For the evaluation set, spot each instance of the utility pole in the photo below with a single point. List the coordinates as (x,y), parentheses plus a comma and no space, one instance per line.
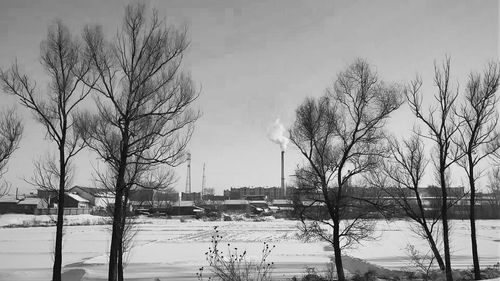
(203,182)
(188,176)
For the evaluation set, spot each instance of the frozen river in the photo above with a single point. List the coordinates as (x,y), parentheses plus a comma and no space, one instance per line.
(175,250)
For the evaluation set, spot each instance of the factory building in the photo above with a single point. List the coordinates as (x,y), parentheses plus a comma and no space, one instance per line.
(269,193)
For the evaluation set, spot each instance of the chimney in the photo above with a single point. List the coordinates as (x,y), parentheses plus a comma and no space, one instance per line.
(283,173)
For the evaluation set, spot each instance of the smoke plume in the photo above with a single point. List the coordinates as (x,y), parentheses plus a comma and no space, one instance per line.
(276,133)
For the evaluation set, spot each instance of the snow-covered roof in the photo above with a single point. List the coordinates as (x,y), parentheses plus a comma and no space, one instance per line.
(257,201)
(184,204)
(282,202)
(311,203)
(77,197)
(94,191)
(235,202)
(30,201)
(8,199)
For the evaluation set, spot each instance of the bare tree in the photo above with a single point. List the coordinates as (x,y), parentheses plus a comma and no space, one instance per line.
(143,120)
(442,126)
(400,177)
(341,136)
(46,175)
(161,186)
(60,57)
(11,130)
(478,137)
(494,189)
(209,191)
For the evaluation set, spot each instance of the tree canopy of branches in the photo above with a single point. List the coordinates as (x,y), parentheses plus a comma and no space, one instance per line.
(143,121)
(442,126)
(60,57)
(478,136)
(11,130)
(341,136)
(400,177)
(494,189)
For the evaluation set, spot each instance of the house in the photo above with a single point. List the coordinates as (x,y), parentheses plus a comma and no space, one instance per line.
(99,198)
(155,198)
(184,208)
(8,205)
(259,206)
(31,204)
(73,200)
(48,195)
(214,198)
(236,205)
(283,204)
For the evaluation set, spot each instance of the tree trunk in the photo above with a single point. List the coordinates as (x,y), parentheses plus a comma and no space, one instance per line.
(123,234)
(444,218)
(115,237)
(337,251)
(437,255)
(446,243)
(120,262)
(472,218)
(120,188)
(57,268)
(434,249)
(428,232)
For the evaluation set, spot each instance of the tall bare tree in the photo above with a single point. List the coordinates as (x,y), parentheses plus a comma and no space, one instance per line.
(478,137)
(400,177)
(442,125)
(341,136)
(11,130)
(143,120)
(494,189)
(60,57)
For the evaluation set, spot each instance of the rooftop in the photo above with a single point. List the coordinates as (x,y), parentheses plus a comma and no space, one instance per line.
(77,197)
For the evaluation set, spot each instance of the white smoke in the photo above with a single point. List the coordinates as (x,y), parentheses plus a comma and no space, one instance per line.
(276,133)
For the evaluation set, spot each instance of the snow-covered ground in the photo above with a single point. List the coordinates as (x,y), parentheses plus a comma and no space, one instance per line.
(175,250)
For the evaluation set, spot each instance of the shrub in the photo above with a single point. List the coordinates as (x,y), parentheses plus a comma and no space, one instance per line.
(370,275)
(313,277)
(234,266)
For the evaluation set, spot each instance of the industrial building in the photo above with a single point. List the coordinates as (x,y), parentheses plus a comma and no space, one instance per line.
(270,193)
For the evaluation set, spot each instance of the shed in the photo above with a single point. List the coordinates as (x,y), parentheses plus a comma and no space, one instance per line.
(283,204)
(72,200)
(8,205)
(29,205)
(185,208)
(236,205)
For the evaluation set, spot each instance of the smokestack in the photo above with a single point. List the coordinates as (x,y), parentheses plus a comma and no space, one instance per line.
(276,133)
(283,173)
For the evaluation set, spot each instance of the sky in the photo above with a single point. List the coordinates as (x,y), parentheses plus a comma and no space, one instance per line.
(256,61)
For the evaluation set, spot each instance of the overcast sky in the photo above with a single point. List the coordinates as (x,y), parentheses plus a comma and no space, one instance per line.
(255,61)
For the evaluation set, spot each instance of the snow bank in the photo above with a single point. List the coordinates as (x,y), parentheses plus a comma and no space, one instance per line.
(23,220)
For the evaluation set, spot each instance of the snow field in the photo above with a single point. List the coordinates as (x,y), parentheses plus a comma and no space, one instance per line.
(165,247)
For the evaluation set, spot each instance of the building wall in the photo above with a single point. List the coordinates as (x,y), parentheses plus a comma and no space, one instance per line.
(84,194)
(9,207)
(193,196)
(103,202)
(271,193)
